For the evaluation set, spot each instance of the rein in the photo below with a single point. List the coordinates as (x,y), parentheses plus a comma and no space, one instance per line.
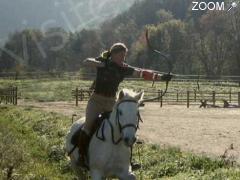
(120,126)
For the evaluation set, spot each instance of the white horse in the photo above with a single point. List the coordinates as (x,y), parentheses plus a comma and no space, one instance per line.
(110,147)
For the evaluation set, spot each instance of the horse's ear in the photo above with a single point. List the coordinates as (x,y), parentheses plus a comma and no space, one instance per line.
(139,96)
(120,95)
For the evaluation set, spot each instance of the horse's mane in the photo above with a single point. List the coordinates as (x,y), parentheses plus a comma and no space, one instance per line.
(128,94)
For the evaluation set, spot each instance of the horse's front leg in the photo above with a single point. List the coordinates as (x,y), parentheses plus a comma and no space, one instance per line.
(96,175)
(127,175)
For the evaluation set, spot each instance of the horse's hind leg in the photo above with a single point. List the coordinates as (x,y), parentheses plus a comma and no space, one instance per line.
(96,175)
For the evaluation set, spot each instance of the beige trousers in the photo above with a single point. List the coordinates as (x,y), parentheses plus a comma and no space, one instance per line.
(96,105)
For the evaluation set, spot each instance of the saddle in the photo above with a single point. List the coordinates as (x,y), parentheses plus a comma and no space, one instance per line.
(81,139)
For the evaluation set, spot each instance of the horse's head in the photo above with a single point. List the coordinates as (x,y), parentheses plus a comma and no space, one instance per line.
(127,115)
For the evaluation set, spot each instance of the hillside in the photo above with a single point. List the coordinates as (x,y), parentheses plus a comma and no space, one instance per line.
(195,42)
(72,15)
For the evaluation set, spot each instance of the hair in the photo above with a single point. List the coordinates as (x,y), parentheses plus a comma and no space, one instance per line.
(118,47)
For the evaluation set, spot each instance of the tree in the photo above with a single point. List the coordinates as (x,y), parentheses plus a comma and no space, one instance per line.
(213,43)
(82,45)
(170,38)
(234,19)
(177,7)
(22,49)
(54,43)
(164,16)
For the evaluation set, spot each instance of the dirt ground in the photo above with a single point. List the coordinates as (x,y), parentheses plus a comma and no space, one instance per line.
(209,131)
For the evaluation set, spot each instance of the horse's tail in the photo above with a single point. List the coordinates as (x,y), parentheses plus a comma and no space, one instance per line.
(69,146)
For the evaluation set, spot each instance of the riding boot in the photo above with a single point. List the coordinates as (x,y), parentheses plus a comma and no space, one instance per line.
(83,143)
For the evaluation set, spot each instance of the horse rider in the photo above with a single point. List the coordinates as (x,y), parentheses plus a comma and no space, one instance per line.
(111,71)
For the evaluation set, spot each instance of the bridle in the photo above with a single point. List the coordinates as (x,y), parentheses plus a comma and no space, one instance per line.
(118,114)
(121,127)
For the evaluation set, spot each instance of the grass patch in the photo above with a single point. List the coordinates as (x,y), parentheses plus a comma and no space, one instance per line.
(45,90)
(172,163)
(32,146)
(35,142)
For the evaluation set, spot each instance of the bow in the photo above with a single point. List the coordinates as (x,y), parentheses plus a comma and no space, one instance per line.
(165,57)
(153,49)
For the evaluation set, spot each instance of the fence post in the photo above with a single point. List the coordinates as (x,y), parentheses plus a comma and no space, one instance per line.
(195,95)
(81,94)
(15,96)
(161,98)
(188,94)
(214,97)
(177,95)
(238,98)
(11,95)
(159,95)
(230,96)
(76,95)
(6,96)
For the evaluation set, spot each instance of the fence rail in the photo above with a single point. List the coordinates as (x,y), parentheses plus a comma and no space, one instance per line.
(89,76)
(9,95)
(174,97)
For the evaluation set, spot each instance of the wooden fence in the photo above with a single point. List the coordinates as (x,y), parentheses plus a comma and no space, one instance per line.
(175,97)
(230,81)
(9,95)
(81,94)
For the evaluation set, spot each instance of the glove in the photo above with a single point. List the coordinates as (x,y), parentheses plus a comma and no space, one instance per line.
(166,77)
(148,74)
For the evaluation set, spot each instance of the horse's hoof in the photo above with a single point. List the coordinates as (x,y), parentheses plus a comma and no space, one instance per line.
(132,177)
(135,166)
